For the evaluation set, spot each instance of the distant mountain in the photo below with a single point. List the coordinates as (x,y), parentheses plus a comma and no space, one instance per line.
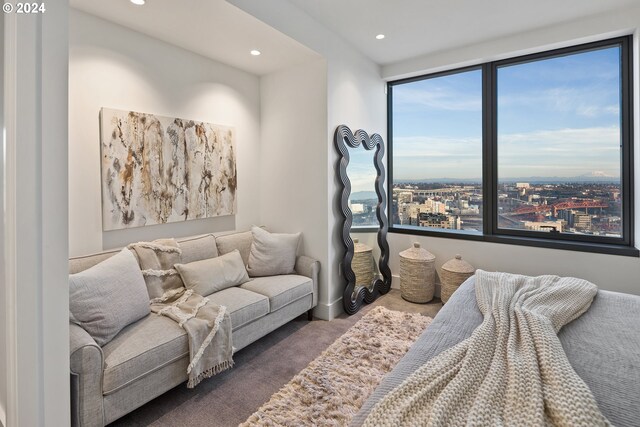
(438,180)
(363,195)
(563,179)
(596,176)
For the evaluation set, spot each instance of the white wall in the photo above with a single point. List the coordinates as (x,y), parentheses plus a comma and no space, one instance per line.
(355,97)
(617,273)
(592,28)
(111,66)
(3,299)
(36,226)
(293,197)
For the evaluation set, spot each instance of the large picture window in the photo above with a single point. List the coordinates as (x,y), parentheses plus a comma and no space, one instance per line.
(531,150)
(437,152)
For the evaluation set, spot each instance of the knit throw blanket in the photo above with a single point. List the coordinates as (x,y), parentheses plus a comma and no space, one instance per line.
(208,325)
(511,371)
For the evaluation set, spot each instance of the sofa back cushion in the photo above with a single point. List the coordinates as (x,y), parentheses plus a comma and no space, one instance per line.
(230,242)
(193,249)
(214,274)
(198,248)
(105,298)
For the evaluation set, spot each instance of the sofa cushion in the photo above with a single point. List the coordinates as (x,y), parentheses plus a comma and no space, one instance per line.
(281,290)
(214,274)
(193,249)
(155,341)
(108,296)
(272,253)
(140,349)
(240,241)
(83,262)
(198,248)
(156,260)
(242,305)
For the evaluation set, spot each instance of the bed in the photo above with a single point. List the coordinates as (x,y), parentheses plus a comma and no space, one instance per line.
(603,346)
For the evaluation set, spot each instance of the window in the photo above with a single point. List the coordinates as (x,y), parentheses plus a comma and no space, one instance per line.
(437,152)
(532,150)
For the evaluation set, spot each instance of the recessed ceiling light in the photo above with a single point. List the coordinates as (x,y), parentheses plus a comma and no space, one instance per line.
(138,2)
(380,36)
(255,52)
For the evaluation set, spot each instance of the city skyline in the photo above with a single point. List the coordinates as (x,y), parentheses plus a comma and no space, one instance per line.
(588,208)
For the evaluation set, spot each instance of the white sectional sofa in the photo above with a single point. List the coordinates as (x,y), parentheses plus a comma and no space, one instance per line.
(150,356)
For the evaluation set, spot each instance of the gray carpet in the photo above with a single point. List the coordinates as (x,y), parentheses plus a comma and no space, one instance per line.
(261,369)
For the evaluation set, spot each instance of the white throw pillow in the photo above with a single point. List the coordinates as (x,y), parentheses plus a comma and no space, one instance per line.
(272,253)
(214,274)
(230,242)
(108,296)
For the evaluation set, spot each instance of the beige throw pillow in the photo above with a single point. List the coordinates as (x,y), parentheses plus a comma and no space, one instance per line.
(108,296)
(156,261)
(214,274)
(272,253)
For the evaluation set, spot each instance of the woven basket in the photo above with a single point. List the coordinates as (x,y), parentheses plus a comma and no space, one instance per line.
(362,263)
(454,272)
(417,274)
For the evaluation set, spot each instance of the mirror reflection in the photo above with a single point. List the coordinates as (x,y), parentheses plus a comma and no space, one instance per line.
(363,198)
(364,263)
(363,202)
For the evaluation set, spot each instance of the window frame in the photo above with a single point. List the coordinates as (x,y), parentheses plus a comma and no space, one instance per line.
(623,245)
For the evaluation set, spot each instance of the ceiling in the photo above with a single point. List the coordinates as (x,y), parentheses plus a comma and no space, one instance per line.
(413,28)
(419,27)
(211,28)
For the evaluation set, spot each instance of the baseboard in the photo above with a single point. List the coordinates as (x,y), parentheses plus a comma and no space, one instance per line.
(395,284)
(333,310)
(395,281)
(329,311)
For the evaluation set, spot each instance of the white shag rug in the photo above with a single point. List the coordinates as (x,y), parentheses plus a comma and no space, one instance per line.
(333,387)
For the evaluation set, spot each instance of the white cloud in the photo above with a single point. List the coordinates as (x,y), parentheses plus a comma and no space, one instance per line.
(612,109)
(563,152)
(430,157)
(437,146)
(570,138)
(438,98)
(590,102)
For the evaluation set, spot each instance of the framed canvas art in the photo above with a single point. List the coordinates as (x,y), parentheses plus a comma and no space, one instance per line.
(157,170)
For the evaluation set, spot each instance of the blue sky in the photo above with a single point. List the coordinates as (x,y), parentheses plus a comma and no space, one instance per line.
(556,117)
(360,170)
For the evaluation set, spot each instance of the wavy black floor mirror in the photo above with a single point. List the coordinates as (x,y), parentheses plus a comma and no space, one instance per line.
(363,204)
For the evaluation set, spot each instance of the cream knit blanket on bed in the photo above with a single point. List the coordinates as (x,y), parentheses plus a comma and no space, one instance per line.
(511,371)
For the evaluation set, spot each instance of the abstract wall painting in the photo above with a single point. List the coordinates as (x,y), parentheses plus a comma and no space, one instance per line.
(157,170)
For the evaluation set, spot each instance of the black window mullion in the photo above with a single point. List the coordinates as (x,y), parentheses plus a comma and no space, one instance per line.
(390,154)
(488,144)
(626,127)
